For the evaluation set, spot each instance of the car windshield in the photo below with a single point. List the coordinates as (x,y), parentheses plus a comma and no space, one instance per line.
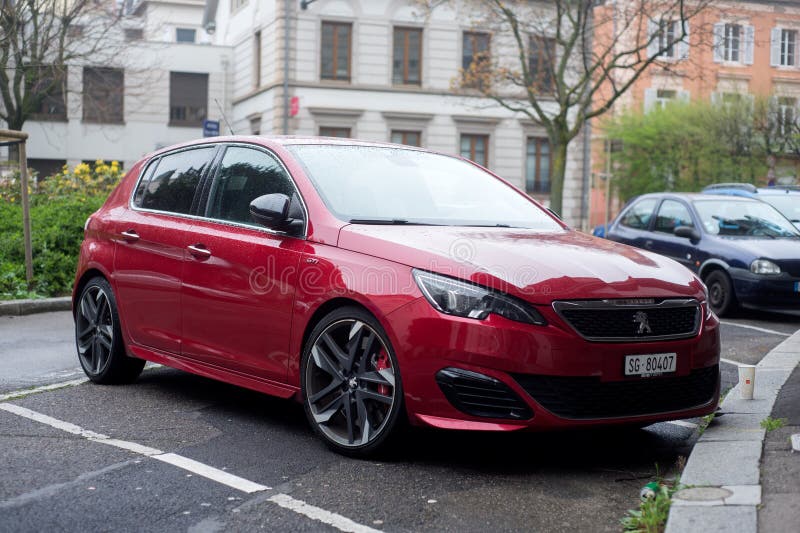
(737,218)
(384,185)
(787,204)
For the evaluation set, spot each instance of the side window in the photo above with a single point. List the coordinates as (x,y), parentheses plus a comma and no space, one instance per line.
(244,175)
(672,214)
(171,185)
(638,216)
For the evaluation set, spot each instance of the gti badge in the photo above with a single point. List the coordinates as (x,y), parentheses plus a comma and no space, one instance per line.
(641,319)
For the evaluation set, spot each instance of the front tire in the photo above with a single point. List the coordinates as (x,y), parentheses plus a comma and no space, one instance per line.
(350,383)
(721,297)
(98,336)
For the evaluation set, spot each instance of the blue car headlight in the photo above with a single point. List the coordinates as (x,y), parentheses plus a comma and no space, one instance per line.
(459,298)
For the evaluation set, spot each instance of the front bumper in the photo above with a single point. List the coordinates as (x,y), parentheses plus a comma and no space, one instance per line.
(426,342)
(781,292)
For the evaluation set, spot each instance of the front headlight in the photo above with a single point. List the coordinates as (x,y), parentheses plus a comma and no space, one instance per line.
(459,298)
(764,266)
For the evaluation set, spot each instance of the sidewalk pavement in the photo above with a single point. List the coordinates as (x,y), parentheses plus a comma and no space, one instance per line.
(728,482)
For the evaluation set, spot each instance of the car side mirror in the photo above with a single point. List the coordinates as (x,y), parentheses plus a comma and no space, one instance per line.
(687,232)
(272,211)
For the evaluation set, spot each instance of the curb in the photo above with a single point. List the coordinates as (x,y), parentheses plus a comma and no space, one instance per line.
(29,307)
(728,454)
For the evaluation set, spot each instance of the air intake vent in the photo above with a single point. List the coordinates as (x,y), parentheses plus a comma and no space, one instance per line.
(588,397)
(479,395)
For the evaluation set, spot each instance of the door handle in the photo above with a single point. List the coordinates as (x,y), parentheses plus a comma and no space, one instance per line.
(199,251)
(130,235)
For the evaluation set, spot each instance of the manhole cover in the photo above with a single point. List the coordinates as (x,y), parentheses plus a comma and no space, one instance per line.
(703,494)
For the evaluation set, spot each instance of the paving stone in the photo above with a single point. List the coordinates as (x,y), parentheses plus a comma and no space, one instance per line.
(734,427)
(722,519)
(723,463)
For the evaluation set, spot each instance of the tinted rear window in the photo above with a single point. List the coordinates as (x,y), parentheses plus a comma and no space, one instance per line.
(171,185)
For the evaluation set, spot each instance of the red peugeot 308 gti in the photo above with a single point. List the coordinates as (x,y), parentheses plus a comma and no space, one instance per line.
(378,283)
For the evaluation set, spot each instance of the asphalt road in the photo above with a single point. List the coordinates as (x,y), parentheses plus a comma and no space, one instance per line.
(57,478)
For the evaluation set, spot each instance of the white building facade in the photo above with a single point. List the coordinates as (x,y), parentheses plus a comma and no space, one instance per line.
(379,70)
(163,79)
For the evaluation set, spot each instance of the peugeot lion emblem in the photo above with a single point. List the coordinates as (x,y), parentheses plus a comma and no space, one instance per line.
(641,319)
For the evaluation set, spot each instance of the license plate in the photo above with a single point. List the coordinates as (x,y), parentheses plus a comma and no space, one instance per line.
(651,364)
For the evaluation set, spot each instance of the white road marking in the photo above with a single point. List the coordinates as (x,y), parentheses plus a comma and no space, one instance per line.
(730,361)
(683,424)
(321,515)
(756,328)
(209,472)
(201,469)
(43,388)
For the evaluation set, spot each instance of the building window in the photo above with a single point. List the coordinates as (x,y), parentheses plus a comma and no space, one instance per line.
(475,58)
(475,148)
(733,42)
(257,59)
(51,82)
(666,38)
(188,98)
(328,131)
(665,96)
(410,138)
(134,34)
(336,41)
(46,167)
(541,59)
(406,69)
(537,165)
(184,35)
(103,95)
(788,48)
(786,115)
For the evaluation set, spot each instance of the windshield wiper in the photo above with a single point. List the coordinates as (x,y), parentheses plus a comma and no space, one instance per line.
(389,222)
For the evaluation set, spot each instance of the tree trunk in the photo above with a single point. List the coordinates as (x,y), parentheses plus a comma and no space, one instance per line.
(557,170)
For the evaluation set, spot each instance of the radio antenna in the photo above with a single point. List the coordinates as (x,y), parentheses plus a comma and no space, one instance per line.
(221,112)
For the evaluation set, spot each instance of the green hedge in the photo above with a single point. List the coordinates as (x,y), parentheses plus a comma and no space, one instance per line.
(56,235)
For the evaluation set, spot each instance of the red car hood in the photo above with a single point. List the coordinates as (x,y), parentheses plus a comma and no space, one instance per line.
(539,267)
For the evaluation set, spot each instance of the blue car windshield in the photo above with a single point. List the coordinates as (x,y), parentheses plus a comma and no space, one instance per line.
(387,185)
(736,218)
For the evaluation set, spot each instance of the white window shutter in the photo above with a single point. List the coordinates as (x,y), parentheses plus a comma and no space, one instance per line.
(683,96)
(775,47)
(719,42)
(683,47)
(749,41)
(716,98)
(652,46)
(650,96)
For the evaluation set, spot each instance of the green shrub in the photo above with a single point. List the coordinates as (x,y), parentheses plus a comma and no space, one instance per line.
(59,208)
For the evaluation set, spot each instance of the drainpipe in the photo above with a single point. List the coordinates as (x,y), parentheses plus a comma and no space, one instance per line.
(286,7)
(587,147)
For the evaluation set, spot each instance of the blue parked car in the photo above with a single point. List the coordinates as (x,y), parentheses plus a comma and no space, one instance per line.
(784,199)
(745,251)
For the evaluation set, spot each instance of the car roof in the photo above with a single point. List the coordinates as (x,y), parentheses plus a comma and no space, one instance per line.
(777,191)
(689,196)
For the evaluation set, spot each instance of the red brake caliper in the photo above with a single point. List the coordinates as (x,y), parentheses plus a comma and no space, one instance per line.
(382,362)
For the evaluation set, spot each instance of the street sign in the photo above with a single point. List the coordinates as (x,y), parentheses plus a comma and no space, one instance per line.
(210,128)
(294,106)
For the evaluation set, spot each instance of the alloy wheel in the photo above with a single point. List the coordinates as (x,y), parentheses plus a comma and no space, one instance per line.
(95,330)
(350,383)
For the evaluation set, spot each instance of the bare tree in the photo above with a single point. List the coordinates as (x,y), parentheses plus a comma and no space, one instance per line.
(38,40)
(569,61)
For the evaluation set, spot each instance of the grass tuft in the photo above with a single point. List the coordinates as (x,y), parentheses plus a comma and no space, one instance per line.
(771,424)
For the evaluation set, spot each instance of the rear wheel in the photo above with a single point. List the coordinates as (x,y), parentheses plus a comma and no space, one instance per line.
(98,336)
(721,297)
(350,382)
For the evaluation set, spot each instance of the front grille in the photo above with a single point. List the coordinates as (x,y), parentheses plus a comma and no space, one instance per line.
(791,266)
(642,320)
(479,395)
(588,397)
